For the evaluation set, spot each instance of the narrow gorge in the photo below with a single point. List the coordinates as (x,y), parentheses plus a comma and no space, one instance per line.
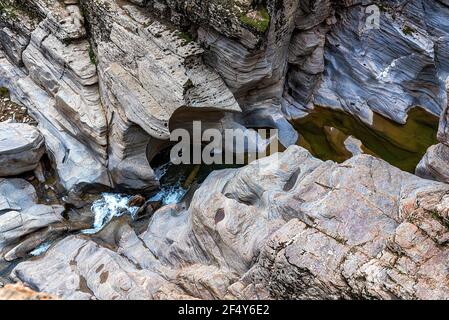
(350,199)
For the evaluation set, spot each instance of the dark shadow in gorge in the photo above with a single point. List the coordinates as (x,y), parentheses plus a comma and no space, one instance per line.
(401,145)
(182,176)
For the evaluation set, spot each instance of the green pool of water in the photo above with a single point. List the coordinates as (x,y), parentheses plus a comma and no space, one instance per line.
(324,131)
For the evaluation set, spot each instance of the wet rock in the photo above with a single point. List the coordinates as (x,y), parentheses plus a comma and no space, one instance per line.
(136,201)
(435,164)
(16,195)
(21,148)
(288,227)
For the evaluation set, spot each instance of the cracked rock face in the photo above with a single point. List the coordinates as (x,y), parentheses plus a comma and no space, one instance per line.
(108,98)
(107,81)
(21,148)
(300,229)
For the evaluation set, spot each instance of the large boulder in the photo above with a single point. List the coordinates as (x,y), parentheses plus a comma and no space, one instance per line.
(21,148)
(435,163)
(25,224)
(287,226)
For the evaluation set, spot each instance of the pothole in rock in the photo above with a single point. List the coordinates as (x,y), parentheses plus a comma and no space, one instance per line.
(175,183)
(336,135)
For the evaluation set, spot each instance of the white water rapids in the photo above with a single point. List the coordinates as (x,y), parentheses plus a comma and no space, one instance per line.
(112,205)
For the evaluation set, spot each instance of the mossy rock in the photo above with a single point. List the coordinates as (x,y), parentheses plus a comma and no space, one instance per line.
(186,37)
(258,19)
(4,92)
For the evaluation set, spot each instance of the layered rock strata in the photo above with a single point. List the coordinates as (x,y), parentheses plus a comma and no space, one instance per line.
(109,80)
(288,227)
(21,148)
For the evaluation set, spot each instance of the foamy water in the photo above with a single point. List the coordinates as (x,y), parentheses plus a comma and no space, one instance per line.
(171,193)
(109,206)
(41,249)
(112,205)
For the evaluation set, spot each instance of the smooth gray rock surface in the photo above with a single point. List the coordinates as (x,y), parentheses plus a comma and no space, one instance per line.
(21,148)
(293,227)
(25,224)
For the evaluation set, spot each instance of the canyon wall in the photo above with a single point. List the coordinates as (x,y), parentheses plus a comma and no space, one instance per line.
(107,81)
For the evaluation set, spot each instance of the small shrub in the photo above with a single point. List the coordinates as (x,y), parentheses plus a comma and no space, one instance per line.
(407,30)
(4,92)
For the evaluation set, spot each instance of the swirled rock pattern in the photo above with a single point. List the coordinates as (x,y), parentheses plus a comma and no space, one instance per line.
(107,81)
(21,148)
(287,227)
(386,66)
(435,163)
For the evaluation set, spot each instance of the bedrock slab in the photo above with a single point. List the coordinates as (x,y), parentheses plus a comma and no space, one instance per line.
(292,227)
(21,148)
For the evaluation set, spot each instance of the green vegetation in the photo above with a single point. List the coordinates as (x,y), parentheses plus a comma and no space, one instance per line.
(401,145)
(186,36)
(93,58)
(257,19)
(4,92)
(7,9)
(409,31)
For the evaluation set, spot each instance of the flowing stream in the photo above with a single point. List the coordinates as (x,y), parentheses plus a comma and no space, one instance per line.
(327,134)
(175,182)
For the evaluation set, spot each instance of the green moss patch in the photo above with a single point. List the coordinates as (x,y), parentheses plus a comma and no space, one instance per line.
(186,36)
(258,19)
(4,92)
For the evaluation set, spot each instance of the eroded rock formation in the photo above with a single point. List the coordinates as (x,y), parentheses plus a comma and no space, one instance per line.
(19,292)
(435,163)
(107,81)
(21,148)
(296,228)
